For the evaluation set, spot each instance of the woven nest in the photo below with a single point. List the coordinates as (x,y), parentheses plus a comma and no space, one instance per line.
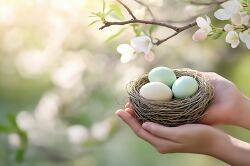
(177,111)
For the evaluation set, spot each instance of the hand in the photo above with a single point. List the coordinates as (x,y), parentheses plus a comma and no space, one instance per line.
(229,106)
(191,138)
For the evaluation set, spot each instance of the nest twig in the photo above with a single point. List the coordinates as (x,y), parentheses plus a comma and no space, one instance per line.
(177,111)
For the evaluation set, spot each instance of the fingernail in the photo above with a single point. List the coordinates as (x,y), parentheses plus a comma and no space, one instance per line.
(117,112)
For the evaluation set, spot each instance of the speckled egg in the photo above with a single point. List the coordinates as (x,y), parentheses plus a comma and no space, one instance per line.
(156,91)
(184,86)
(162,74)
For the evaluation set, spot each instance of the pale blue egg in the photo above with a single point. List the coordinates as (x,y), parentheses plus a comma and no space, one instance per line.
(184,86)
(162,74)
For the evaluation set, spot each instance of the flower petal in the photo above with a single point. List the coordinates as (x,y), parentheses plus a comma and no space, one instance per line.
(235,44)
(244,18)
(236,19)
(232,6)
(222,14)
(199,35)
(142,44)
(125,58)
(228,27)
(201,22)
(248,44)
(208,20)
(125,48)
(233,38)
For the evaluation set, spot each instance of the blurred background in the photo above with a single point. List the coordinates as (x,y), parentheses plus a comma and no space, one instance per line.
(61,82)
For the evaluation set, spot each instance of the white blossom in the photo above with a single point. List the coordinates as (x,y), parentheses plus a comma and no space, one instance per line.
(205,29)
(77,134)
(101,130)
(232,9)
(228,27)
(127,52)
(245,37)
(141,44)
(233,38)
(229,9)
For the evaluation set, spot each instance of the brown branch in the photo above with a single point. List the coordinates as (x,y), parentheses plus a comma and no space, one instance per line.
(181,29)
(206,3)
(177,29)
(127,8)
(109,23)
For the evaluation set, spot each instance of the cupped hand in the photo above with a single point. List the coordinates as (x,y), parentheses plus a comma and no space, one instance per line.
(192,138)
(228,104)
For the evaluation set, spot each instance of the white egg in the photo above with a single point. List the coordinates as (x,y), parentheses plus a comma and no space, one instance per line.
(156,91)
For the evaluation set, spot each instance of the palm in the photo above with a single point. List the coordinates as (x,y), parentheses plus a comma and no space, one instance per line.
(226,100)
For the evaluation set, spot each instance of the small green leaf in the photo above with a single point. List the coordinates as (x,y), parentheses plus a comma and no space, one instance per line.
(108,13)
(22,135)
(116,11)
(136,30)
(152,28)
(23,147)
(112,37)
(215,34)
(12,121)
(94,22)
(103,6)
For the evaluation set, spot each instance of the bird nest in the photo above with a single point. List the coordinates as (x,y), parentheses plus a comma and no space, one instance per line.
(177,111)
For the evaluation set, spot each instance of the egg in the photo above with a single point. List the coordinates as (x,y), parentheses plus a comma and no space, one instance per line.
(184,86)
(162,74)
(156,91)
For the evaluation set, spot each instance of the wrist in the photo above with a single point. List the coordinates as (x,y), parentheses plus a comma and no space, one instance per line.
(232,151)
(242,119)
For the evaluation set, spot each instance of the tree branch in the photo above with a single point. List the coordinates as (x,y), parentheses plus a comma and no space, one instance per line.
(158,42)
(207,3)
(109,23)
(127,8)
(177,29)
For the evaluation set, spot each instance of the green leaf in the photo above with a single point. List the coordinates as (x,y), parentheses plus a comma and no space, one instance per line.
(103,6)
(23,147)
(136,30)
(108,13)
(112,37)
(152,28)
(12,122)
(22,135)
(94,22)
(116,11)
(215,34)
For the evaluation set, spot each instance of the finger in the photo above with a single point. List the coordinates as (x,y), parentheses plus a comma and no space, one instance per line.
(128,105)
(130,111)
(161,131)
(137,128)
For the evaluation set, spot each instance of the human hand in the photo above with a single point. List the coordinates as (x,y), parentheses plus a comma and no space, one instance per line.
(230,106)
(191,138)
